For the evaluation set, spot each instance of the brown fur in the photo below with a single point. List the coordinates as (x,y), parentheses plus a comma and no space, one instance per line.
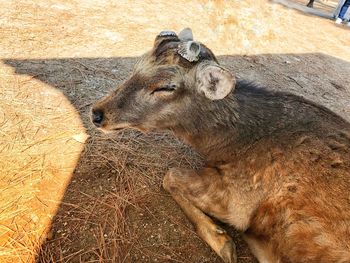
(278,166)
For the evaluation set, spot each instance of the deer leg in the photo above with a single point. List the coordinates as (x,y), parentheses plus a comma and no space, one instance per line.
(212,234)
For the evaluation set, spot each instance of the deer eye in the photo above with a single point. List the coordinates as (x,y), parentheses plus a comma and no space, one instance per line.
(167,88)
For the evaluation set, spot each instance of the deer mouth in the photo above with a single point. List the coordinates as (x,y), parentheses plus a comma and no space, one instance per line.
(114,128)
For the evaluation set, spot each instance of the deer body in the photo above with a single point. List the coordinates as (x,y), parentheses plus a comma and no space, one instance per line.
(278,166)
(282,166)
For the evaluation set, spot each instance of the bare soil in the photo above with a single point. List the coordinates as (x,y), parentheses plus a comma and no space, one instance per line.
(71,194)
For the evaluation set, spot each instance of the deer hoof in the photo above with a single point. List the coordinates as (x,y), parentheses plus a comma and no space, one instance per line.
(228,252)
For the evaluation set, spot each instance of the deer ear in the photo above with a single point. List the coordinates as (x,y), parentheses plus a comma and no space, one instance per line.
(214,81)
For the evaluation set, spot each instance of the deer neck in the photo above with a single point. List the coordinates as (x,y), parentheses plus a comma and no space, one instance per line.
(228,128)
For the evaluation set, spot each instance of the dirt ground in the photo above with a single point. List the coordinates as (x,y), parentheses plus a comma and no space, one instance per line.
(71,194)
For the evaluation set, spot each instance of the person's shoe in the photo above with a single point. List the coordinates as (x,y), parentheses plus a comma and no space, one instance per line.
(338,21)
(348,24)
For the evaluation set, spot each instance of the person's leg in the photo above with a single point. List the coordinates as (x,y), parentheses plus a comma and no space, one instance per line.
(344,9)
(311,3)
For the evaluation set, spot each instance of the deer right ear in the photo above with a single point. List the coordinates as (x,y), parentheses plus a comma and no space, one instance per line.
(214,81)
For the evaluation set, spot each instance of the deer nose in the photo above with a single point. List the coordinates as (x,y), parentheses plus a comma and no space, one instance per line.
(97,117)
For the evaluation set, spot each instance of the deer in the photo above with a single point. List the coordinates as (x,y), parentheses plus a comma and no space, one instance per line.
(277,166)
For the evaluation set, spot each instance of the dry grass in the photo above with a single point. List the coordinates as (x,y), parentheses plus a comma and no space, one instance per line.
(29,142)
(133,164)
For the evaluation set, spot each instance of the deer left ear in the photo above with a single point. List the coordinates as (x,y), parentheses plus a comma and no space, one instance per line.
(214,81)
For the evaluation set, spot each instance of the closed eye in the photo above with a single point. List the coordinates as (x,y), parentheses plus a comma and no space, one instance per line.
(166,88)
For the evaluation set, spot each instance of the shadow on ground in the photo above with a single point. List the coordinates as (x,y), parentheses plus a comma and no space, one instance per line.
(114,209)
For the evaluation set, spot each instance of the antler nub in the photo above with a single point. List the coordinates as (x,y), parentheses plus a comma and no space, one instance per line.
(167,34)
(189,50)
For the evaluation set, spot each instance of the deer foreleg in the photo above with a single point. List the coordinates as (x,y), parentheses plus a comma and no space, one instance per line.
(212,234)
